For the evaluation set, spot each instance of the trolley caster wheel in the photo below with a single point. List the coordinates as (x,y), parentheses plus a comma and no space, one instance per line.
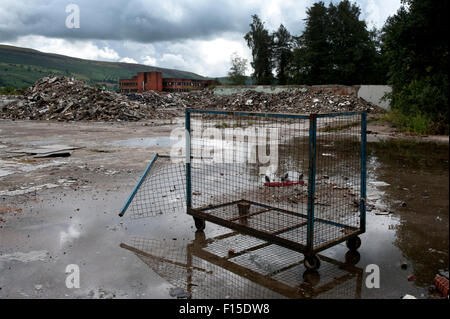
(353,243)
(352,257)
(199,223)
(312,262)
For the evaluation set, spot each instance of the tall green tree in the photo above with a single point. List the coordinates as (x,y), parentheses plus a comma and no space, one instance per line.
(415,47)
(237,70)
(336,47)
(260,41)
(282,53)
(353,49)
(311,57)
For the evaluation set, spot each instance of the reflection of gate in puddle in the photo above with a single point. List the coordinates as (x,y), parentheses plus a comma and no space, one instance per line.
(227,266)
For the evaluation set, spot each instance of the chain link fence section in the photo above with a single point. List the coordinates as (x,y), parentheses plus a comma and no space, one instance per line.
(161,190)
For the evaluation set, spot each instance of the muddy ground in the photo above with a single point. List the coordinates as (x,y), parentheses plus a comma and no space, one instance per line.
(64,210)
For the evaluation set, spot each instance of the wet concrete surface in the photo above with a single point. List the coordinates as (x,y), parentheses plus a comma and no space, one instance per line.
(75,222)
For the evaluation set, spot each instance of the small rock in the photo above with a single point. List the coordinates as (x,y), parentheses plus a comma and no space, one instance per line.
(179,293)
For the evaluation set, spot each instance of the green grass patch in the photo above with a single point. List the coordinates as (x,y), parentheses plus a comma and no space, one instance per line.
(417,123)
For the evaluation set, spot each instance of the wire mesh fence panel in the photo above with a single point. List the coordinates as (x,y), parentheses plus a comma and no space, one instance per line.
(242,152)
(161,190)
(258,159)
(338,176)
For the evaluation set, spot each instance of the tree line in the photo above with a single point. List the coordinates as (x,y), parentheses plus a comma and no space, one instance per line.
(410,53)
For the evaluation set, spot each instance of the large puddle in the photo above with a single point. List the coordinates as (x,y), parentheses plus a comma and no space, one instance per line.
(163,257)
(407,224)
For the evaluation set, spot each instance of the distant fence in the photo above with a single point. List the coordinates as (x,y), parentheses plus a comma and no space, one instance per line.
(369,93)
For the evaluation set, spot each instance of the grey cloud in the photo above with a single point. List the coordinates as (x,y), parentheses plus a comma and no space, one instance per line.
(141,21)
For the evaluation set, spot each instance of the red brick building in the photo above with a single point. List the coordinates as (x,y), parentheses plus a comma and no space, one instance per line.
(153,81)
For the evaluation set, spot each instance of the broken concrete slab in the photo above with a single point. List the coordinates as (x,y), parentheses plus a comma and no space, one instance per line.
(45,149)
(54,154)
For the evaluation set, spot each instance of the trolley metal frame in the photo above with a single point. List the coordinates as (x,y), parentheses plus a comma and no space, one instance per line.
(307,220)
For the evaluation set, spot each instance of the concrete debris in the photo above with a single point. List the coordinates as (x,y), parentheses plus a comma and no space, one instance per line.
(101,293)
(48,151)
(27,190)
(37,255)
(443,273)
(157,100)
(66,99)
(382,213)
(178,292)
(297,101)
(54,154)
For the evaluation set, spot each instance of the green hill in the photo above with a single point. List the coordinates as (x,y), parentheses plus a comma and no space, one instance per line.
(22,67)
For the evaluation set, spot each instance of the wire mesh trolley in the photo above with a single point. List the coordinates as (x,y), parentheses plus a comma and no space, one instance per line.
(298,181)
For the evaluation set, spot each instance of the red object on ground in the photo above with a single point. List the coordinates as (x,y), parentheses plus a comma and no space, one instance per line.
(441,284)
(286,183)
(410,277)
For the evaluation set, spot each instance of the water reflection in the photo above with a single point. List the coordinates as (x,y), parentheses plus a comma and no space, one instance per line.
(418,195)
(238,266)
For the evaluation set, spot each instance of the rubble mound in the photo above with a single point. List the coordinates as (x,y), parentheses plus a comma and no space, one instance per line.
(160,100)
(66,99)
(295,101)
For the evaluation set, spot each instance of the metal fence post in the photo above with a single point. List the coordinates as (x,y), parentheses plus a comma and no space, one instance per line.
(188,160)
(311,181)
(362,204)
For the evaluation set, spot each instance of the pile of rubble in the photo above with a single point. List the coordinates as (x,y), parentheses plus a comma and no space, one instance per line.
(296,101)
(160,100)
(65,99)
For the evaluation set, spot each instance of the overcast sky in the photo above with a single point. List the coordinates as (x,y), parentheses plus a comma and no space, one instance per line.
(191,35)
